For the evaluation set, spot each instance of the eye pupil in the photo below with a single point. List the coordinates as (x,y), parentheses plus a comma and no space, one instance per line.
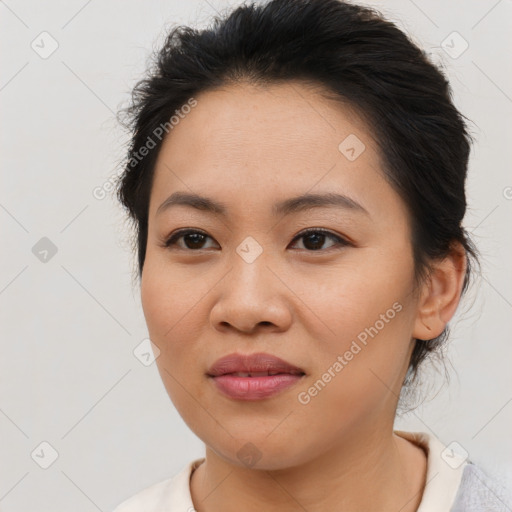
(318,240)
(197,239)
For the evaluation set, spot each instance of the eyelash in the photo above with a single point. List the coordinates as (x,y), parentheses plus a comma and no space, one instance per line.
(340,242)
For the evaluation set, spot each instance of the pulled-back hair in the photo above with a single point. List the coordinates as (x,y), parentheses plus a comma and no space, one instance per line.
(360,59)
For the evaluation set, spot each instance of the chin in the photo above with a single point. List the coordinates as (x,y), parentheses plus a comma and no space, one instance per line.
(258,452)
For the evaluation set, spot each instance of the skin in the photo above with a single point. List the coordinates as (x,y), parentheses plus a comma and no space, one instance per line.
(250,147)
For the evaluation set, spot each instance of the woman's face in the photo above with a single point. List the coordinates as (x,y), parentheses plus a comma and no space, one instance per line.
(339,305)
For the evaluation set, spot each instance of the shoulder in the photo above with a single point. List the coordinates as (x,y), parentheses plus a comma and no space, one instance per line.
(147,499)
(478,491)
(457,484)
(169,495)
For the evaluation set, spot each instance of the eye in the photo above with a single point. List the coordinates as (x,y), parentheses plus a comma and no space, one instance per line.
(315,238)
(193,239)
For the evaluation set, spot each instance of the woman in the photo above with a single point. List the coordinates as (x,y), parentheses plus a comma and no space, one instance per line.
(296,179)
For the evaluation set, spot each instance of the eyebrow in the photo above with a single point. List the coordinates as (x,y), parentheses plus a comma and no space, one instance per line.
(297,204)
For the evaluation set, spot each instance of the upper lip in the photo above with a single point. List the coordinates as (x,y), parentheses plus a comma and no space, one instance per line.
(261,362)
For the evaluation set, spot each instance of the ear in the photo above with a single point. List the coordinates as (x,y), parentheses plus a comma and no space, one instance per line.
(440,294)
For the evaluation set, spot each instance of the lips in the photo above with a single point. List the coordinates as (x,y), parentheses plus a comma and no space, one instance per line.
(252,365)
(254,376)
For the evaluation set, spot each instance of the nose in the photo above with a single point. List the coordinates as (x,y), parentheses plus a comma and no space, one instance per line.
(252,297)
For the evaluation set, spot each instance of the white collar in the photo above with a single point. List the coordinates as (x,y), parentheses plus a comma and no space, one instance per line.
(444,473)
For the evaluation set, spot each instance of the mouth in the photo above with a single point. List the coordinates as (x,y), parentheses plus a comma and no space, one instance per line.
(261,374)
(253,365)
(254,376)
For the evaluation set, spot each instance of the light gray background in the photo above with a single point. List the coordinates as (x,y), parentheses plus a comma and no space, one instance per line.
(69,326)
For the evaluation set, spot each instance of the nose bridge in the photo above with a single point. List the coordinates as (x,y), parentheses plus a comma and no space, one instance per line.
(250,250)
(249,265)
(251,294)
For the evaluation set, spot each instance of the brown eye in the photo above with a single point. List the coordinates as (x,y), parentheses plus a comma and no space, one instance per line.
(314,239)
(192,239)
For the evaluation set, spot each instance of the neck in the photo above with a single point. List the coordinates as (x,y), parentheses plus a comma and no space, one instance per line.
(373,470)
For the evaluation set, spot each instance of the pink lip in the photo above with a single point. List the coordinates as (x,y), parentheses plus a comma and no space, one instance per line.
(253,388)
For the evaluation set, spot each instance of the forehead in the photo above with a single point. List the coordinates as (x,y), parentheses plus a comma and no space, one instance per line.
(287,120)
(255,143)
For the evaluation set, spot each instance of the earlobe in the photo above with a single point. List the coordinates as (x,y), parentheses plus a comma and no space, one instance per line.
(440,295)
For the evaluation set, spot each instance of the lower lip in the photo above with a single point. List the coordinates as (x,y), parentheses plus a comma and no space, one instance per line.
(254,388)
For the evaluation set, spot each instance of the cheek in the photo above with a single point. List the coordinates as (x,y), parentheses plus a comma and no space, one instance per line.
(358,374)
(367,315)
(359,295)
(169,296)
(170,305)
